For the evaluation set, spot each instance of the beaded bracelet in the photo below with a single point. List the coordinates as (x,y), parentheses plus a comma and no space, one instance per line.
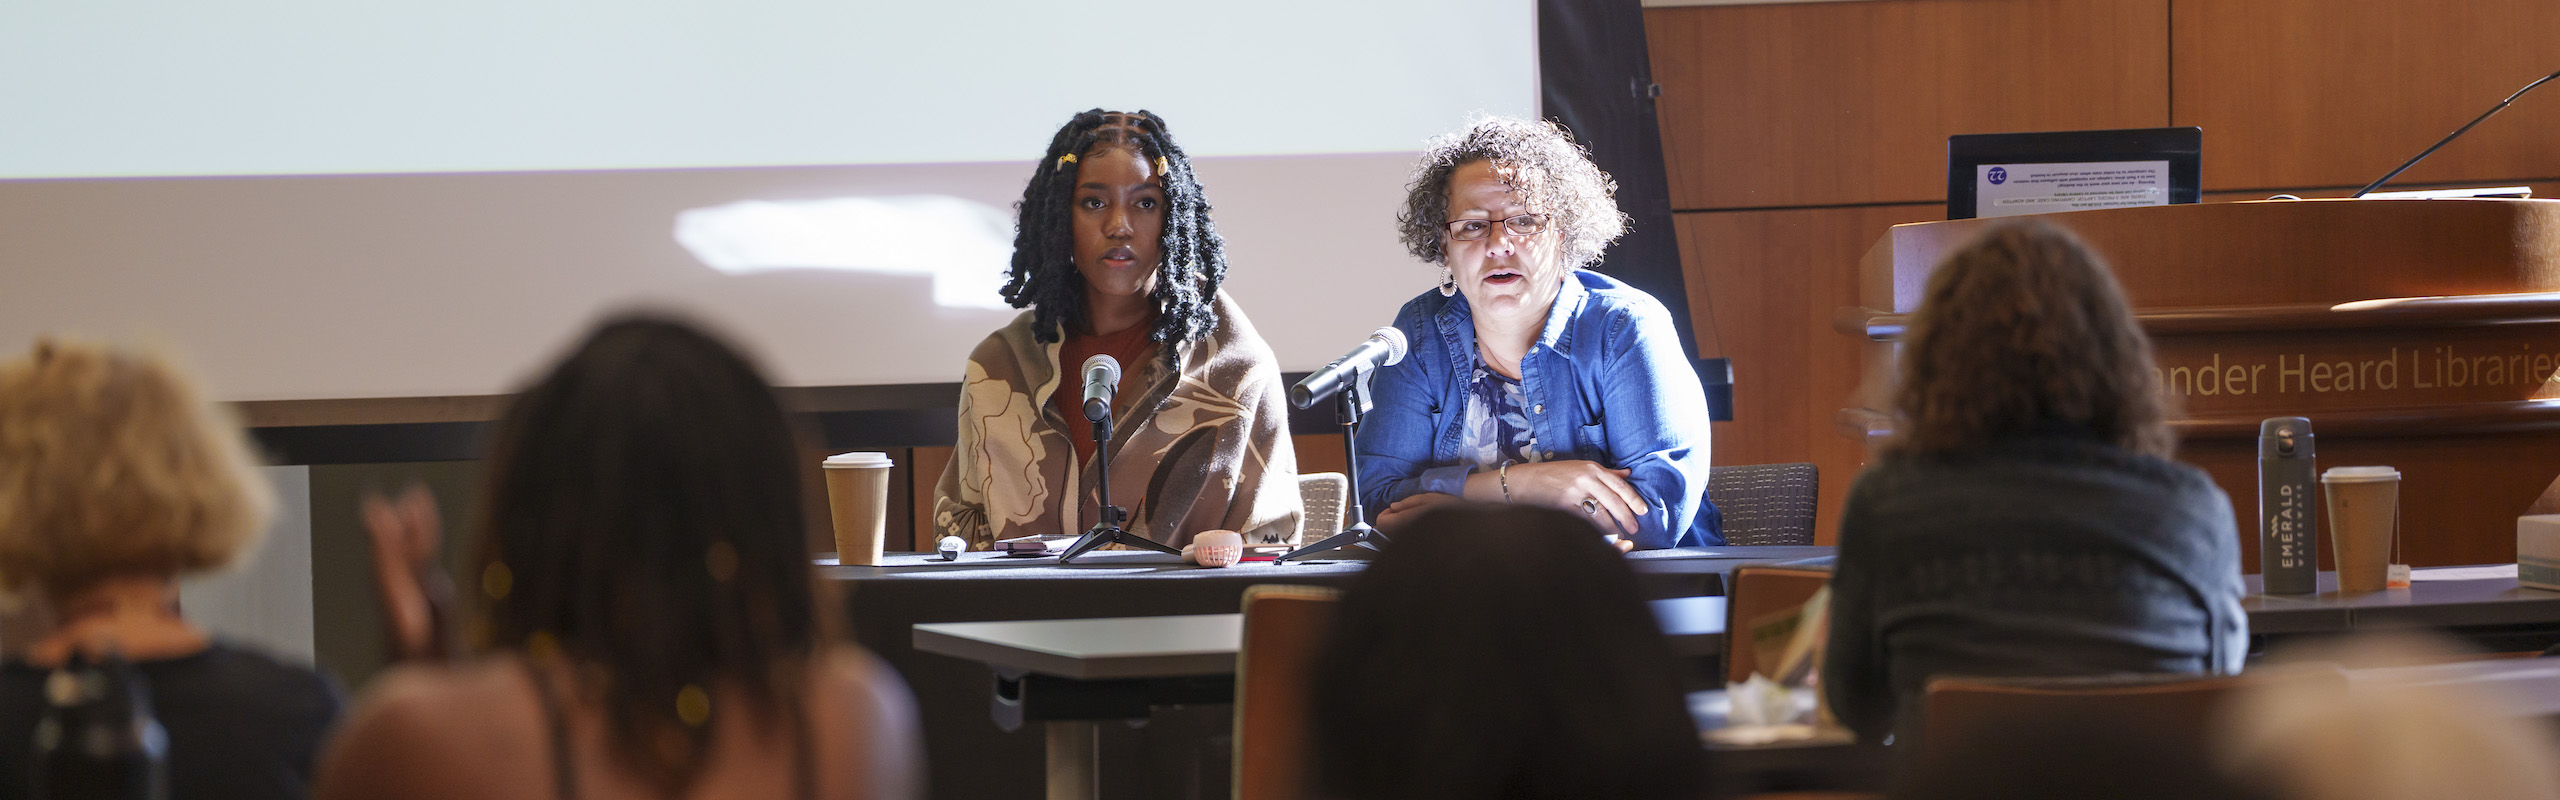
(1503,474)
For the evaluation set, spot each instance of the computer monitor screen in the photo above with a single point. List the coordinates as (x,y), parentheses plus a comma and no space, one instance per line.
(2007,174)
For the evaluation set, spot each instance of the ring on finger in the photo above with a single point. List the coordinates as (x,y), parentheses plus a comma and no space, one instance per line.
(1590,506)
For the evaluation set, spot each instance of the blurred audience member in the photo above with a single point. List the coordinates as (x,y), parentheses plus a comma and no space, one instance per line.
(116,478)
(648,618)
(1500,652)
(2027,519)
(2396,735)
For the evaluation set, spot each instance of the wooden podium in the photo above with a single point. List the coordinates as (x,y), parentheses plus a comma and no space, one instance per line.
(2417,334)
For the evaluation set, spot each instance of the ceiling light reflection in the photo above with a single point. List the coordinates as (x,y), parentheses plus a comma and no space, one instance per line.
(964,245)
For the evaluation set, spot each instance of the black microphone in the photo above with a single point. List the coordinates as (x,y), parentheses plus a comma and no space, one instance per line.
(1101,381)
(1383,348)
(2448,139)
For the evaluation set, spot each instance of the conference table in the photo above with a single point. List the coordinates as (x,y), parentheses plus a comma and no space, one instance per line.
(1069,673)
(968,757)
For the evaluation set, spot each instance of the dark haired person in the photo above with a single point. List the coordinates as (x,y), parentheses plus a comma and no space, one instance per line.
(1531,379)
(1500,653)
(117,478)
(1115,255)
(648,608)
(2027,519)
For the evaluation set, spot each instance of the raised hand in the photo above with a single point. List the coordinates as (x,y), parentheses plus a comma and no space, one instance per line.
(407,534)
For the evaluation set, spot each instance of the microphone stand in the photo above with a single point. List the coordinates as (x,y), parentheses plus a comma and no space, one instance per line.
(1352,401)
(2448,138)
(1107,530)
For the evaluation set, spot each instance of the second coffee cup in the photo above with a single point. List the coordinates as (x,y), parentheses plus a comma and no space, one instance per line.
(858,496)
(2364,513)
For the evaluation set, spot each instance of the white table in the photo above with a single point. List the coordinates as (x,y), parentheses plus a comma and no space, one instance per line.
(1095,649)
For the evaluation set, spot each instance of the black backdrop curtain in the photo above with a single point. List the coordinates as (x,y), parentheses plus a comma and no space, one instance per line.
(1594,77)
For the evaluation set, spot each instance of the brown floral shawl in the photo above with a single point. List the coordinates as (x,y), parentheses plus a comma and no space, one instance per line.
(1205,447)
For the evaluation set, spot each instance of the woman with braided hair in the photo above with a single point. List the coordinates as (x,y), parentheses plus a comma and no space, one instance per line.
(1115,255)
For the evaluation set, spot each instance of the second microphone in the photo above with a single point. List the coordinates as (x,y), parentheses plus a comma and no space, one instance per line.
(1384,347)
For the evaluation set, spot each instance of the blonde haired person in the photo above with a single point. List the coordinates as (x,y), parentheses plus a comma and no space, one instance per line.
(2402,730)
(2028,519)
(117,478)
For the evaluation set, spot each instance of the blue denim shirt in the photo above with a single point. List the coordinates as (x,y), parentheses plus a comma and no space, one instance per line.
(1606,376)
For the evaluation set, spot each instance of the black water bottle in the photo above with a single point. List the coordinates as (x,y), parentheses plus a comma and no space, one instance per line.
(2288,516)
(98,739)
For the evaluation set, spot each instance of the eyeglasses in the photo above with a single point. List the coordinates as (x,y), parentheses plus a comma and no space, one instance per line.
(1468,230)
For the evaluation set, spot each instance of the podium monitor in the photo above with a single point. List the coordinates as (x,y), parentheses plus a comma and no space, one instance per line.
(2007,174)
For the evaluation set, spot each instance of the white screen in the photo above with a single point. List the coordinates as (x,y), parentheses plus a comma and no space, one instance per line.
(260,87)
(430,199)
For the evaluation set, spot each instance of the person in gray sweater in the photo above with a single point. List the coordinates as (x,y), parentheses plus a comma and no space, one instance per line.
(2027,519)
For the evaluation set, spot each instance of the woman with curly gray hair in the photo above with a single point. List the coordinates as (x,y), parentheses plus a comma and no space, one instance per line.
(1523,359)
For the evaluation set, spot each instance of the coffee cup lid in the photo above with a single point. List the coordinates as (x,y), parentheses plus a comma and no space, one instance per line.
(858,460)
(2359,474)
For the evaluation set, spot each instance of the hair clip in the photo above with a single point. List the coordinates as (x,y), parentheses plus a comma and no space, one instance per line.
(1163,167)
(1064,160)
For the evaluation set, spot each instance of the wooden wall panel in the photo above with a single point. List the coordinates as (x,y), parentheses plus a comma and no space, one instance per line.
(1320,453)
(2337,92)
(1772,280)
(1842,103)
(926,465)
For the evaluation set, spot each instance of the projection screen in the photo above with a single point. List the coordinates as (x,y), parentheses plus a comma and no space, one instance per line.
(311,200)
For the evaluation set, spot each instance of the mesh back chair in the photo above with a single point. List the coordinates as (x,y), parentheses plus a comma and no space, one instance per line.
(1323,494)
(1284,626)
(1765,504)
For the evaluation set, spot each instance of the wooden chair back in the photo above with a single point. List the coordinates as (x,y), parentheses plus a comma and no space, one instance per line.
(1960,708)
(1284,628)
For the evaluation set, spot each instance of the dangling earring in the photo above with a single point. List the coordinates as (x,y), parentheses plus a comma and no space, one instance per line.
(1448,282)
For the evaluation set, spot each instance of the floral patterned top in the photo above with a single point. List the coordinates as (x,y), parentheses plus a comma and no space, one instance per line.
(1497,430)
(1205,446)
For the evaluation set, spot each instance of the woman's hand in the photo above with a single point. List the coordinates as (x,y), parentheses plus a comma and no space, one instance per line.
(1580,486)
(1411,506)
(415,593)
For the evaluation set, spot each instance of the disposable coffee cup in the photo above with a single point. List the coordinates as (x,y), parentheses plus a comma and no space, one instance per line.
(2364,513)
(858,497)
